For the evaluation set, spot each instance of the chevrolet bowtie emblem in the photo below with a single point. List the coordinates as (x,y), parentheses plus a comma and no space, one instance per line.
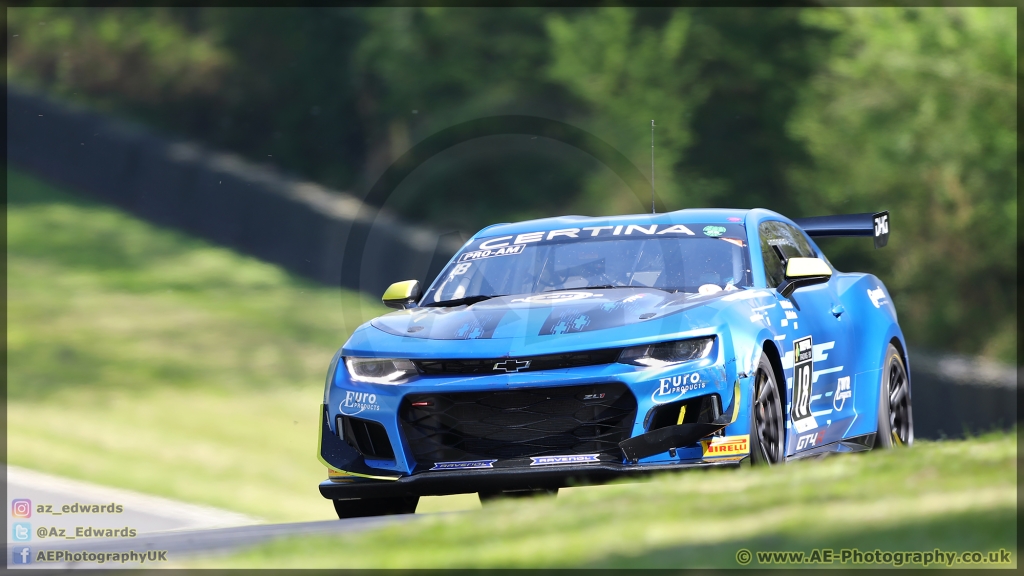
(512,365)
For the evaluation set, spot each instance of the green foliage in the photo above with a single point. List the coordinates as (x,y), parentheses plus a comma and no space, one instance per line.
(916,113)
(251,80)
(957,496)
(630,72)
(753,63)
(119,57)
(420,70)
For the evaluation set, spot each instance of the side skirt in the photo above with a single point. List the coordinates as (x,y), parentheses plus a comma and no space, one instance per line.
(855,444)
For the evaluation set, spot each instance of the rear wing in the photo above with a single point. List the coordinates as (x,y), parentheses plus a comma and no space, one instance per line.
(868,224)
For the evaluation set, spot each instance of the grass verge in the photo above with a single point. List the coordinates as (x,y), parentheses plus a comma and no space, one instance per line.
(142,358)
(955,495)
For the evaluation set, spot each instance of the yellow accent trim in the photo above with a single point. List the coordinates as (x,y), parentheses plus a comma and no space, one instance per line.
(682,414)
(735,401)
(356,475)
(401,291)
(804,267)
(319,454)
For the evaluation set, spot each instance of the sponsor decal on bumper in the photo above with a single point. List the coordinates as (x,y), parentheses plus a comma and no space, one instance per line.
(466,465)
(572,459)
(726,446)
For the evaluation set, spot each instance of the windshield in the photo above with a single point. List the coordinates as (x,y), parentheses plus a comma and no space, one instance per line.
(674,258)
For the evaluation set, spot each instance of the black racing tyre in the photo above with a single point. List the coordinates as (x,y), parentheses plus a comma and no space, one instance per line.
(767,422)
(362,507)
(895,416)
(488,497)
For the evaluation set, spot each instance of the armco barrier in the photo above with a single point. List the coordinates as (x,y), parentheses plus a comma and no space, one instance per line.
(302,227)
(299,225)
(955,396)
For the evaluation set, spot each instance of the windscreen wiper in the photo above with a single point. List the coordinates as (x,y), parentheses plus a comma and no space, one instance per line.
(598,287)
(461,301)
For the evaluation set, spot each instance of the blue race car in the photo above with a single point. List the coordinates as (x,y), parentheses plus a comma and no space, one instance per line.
(576,350)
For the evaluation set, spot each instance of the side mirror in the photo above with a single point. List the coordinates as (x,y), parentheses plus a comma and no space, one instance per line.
(802,272)
(402,295)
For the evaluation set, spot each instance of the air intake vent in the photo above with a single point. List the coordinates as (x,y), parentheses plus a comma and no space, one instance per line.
(702,409)
(368,438)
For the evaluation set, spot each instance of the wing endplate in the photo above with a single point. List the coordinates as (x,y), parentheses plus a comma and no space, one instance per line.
(874,224)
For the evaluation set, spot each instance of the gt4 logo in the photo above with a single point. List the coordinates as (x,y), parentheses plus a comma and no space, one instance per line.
(809,440)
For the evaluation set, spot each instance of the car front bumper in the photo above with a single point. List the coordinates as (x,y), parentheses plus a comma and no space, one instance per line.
(441,483)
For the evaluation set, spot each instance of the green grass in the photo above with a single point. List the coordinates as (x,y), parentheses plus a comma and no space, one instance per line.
(142,358)
(955,495)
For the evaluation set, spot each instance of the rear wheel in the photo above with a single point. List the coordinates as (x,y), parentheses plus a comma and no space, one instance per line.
(895,418)
(362,507)
(767,428)
(488,497)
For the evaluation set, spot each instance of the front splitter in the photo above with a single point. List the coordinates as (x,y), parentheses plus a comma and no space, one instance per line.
(445,482)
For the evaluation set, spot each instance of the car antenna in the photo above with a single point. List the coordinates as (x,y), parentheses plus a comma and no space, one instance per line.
(652,167)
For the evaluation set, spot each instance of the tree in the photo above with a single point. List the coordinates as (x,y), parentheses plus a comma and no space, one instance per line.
(916,112)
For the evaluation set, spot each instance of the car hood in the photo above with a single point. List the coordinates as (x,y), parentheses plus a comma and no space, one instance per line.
(554,313)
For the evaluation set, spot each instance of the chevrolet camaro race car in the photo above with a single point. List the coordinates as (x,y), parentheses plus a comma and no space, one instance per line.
(575,350)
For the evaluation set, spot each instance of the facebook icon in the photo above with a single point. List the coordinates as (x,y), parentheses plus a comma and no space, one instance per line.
(21,555)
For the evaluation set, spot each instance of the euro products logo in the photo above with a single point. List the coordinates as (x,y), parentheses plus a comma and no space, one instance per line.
(21,508)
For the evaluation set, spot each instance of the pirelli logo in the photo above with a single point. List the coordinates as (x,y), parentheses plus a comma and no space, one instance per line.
(726,446)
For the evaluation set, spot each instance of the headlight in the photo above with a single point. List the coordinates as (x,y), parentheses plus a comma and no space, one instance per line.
(380,370)
(667,353)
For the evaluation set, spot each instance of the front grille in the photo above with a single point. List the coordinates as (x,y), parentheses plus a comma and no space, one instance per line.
(509,424)
(546,362)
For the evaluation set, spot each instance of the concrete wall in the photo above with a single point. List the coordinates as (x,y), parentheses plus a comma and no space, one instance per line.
(303,227)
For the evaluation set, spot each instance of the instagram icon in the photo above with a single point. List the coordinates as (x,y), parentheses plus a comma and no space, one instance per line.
(21,508)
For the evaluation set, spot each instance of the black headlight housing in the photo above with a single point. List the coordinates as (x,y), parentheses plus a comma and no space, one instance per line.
(668,353)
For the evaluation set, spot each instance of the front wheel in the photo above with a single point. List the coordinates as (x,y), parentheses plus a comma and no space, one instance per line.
(767,426)
(362,507)
(895,419)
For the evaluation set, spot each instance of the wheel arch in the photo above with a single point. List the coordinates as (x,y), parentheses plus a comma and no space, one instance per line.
(771,351)
(897,342)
